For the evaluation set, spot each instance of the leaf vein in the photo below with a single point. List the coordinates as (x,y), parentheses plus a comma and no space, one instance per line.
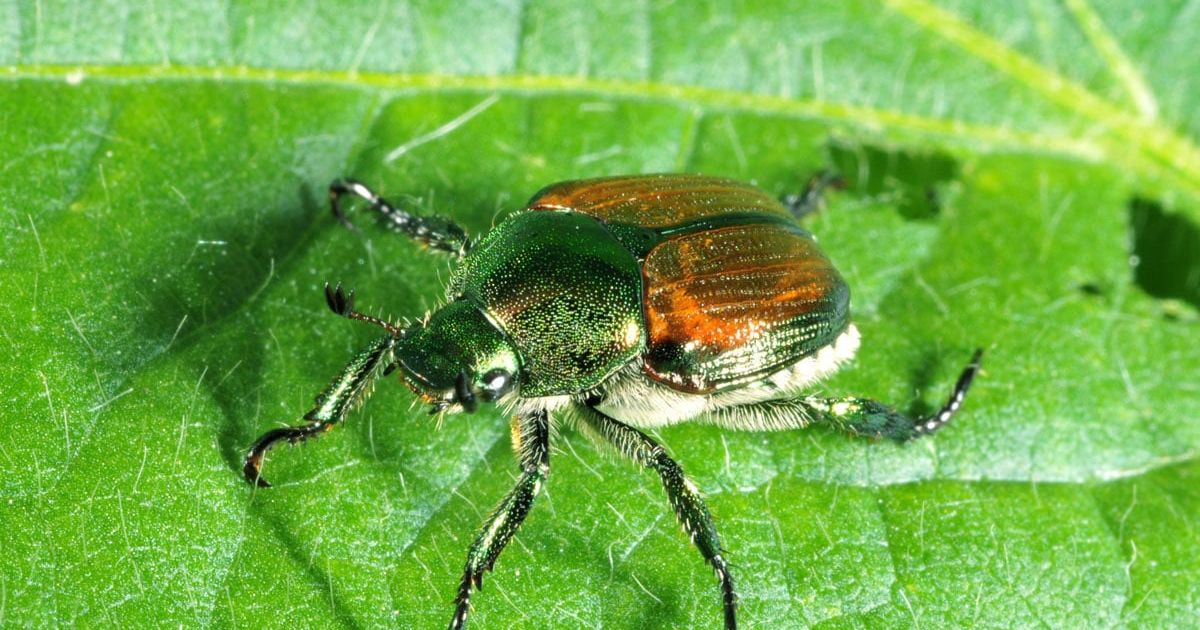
(1118,62)
(979,137)
(1166,149)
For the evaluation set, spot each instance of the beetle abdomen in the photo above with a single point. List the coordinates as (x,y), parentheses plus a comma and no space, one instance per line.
(724,306)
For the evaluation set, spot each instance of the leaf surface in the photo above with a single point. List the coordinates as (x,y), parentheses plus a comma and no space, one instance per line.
(1022,176)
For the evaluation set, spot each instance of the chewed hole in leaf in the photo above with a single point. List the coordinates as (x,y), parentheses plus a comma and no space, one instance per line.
(914,181)
(1166,254)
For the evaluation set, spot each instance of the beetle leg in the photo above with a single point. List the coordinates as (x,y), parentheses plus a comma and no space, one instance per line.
(857,416)
(435,231)
(348,389)
(531,440)
(865,417)
(683,495)
(813,197)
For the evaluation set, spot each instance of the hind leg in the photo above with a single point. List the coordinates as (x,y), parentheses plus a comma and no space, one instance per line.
(856,416)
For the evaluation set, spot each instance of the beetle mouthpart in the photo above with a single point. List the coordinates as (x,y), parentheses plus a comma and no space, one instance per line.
(463,393)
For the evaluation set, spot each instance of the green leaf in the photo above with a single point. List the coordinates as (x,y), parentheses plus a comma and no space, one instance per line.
(1022,176)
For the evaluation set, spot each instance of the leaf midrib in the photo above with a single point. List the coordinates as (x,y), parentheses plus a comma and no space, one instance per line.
(1112,144)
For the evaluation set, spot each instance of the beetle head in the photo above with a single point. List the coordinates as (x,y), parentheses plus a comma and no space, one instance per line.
(457,359)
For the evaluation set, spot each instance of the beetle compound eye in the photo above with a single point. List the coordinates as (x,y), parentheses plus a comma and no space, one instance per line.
(496,383)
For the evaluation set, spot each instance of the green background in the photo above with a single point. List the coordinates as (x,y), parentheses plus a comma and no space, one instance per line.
(1023,176)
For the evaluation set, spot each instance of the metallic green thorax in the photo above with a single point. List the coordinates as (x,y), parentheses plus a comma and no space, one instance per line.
(566,293)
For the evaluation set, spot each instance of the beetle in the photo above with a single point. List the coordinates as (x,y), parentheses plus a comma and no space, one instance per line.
(619,304)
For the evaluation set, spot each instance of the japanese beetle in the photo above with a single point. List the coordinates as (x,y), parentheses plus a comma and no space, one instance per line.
(620,304)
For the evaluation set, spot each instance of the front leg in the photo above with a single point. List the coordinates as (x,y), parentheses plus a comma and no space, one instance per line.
(437,232)
(683,495)
(531,440)
(348,389)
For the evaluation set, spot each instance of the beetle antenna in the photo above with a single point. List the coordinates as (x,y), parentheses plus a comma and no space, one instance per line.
(342,303)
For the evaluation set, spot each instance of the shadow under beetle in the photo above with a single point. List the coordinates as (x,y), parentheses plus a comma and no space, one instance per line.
(620,304)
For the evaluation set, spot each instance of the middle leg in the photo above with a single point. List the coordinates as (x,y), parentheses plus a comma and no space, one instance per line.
(683,495)
(813,197)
